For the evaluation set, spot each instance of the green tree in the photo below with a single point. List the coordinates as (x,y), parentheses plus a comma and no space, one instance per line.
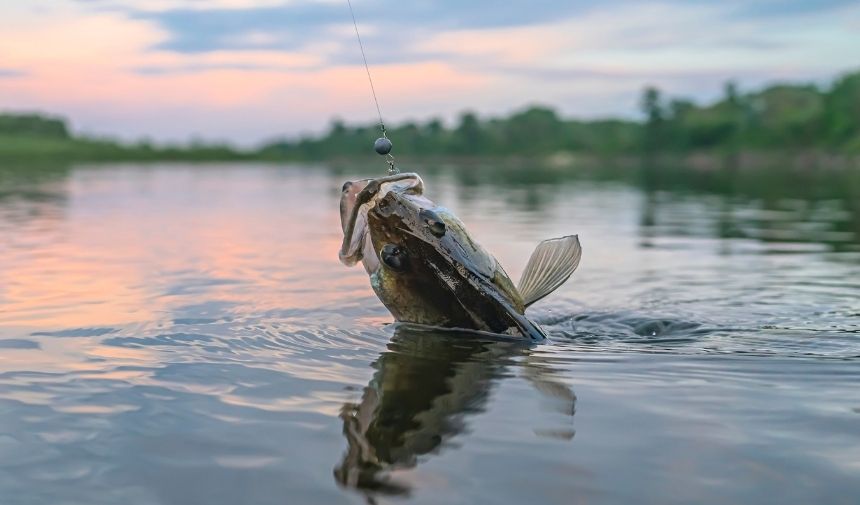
(655,116)
(842,111)
(33,125)
(534,130)
(469,136)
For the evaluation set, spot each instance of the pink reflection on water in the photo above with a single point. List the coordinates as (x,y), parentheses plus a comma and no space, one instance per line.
(135,250)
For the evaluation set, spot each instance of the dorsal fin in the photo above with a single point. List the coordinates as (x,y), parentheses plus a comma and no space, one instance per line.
(551,263)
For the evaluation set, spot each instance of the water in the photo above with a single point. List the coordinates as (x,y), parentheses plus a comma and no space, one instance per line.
(185,334)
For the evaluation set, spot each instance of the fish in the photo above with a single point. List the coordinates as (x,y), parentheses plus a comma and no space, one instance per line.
(426,268)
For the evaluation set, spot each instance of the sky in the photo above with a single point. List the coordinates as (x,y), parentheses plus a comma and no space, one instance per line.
(246,71)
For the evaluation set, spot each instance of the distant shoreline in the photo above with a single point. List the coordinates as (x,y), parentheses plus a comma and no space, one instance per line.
(701,161)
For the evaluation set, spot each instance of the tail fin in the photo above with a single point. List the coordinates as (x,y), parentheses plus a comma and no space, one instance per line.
(550,265)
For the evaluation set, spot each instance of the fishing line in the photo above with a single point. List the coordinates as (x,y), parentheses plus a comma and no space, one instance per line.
(383,144)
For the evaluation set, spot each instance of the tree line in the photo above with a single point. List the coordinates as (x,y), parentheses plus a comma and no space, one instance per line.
(778,117)
(33,137)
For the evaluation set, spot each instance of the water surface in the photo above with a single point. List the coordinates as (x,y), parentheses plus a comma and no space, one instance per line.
(174,334)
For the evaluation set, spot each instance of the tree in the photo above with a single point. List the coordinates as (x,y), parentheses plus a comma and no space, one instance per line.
(652,106)
(33,125)
(469,137)
(842,110)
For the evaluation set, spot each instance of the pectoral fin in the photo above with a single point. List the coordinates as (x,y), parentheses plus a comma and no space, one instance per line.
(550,265)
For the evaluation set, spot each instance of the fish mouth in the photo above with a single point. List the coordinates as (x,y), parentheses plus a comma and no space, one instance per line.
(357,198)
(349,193)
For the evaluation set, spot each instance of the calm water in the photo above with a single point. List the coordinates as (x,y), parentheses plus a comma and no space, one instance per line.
(185,335)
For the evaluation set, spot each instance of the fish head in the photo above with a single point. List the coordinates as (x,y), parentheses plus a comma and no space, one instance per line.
(423,264)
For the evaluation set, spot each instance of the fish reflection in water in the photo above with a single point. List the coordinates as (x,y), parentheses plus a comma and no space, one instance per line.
(425,387)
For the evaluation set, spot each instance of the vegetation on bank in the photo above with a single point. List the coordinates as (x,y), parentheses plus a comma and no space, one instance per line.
(784,117)
(779,117)
(35,138)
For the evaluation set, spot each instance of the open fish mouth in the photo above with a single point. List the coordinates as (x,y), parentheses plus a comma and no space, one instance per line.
(357,199)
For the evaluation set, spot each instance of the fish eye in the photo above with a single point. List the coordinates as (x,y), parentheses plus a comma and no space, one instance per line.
(433,222)
(437,228)
(346,186)
(394,257)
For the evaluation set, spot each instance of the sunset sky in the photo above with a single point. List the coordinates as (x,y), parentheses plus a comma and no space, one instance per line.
(249,70)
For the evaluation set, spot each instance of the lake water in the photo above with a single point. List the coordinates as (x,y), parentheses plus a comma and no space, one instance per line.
(175,334)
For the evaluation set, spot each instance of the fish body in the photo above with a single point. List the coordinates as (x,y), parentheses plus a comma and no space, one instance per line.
(426,268)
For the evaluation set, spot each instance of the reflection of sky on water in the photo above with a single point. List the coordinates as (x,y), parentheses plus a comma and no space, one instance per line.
(139,242)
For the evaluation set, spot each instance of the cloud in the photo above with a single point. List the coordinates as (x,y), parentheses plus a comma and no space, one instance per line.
(196,68)
(788,8)
(296,24)
(196,26)
(11,72)
(662,39)
(417,32)
(165,5)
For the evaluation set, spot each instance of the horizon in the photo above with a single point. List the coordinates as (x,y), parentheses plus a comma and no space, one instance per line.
(246,72)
